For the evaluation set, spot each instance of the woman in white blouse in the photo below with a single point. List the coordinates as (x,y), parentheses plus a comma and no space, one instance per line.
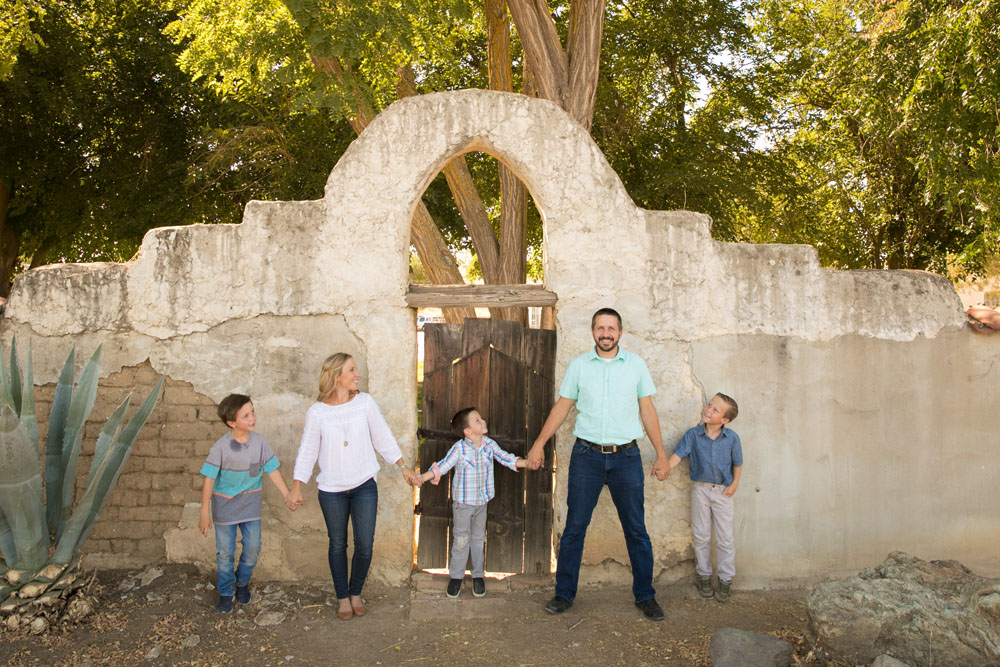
(343,430)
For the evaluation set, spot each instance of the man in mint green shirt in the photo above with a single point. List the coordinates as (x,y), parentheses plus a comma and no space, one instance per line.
(612,391)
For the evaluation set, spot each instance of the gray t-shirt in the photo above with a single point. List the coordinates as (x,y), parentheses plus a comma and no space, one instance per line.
(238,469)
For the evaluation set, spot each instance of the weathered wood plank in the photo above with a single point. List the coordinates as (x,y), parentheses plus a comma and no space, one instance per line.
(442,345)
(505,539)
(444,296)
(538,511)
(432,546)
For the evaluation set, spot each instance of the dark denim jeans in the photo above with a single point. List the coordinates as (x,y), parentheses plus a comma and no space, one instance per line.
(589,471)
(360,504)
(225,551)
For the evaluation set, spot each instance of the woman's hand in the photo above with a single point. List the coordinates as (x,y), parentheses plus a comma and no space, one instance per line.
(294,498)
(412,478)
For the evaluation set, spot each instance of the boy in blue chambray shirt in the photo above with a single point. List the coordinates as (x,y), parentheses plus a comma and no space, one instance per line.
(715,467)
(471,488)
(233,473)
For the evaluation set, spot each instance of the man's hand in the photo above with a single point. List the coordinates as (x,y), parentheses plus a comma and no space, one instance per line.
(535,457)
(661,468)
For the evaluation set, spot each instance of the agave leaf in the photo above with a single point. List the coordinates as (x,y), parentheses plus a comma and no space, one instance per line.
(109,434)
(28,417)
(21,493)
(8,551)
(79,409)
(5,395)
(94,497)
(53,444)
(15,377)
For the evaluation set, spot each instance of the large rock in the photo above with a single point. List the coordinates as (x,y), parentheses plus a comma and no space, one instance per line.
(923,613)
(738,648)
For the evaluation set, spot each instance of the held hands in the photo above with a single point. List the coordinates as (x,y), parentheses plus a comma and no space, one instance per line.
(535,457)
(661,468)
(412,478)
(293,500)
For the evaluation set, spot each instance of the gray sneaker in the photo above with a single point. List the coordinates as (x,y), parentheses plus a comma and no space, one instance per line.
(722,595)
(705,586)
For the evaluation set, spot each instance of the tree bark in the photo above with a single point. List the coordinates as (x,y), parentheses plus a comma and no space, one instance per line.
(513,196)
(543,51)
(10,241)
(583,50)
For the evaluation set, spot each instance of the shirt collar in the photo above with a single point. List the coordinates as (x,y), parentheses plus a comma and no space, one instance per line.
(722,434)
(592,354)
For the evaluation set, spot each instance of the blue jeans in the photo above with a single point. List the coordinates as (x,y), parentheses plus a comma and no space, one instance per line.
(225,551)
(589,471)
(360,505)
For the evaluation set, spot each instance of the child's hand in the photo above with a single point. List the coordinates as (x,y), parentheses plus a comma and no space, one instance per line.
(293,500)
(204,523)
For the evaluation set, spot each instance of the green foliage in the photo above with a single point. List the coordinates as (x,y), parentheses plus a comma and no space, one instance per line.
(26,519)
(890,114)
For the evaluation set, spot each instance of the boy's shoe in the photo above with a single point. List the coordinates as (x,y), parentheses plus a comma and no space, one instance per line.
(225,604)
(243,594)
(558,605)
(722,595)
(454,588)
(478,587)
(705,586)
(650,609)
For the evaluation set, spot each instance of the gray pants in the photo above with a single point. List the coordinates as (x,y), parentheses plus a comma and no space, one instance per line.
(468,538)
(710,507)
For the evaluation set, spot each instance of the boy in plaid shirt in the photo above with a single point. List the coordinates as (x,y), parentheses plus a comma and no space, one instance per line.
(471,488)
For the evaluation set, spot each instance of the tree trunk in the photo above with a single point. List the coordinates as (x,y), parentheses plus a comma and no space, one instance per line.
(583,50)
(543,51)
(10,241)
(513,196)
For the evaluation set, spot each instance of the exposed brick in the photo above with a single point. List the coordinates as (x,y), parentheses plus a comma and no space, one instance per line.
(135,480)
(170,464)
(182,413)
(147,447)
(97,546)
(171,480)
(192,432)
(149,513)
(175,497)
(181,396)
(129,497)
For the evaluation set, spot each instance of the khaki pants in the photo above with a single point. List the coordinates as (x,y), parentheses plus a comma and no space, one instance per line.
(468,537)
(710,507)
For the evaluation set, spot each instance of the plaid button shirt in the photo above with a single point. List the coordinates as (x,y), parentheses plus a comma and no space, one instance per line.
(472,483)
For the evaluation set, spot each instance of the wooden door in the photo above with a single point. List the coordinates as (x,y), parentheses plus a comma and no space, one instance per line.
(506,372)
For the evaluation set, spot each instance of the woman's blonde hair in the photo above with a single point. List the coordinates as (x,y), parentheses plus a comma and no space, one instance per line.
(331,371)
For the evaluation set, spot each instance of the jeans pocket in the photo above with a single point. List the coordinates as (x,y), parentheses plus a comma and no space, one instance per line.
(580,448)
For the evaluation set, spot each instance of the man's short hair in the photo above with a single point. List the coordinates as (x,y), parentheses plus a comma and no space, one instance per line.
(230,407)
(460,421)
(606,311)
(733,408)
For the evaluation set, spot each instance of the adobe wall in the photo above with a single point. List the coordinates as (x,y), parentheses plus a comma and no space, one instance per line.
(863,398)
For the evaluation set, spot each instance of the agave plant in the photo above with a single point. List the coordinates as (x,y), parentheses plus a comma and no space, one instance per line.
(41,537)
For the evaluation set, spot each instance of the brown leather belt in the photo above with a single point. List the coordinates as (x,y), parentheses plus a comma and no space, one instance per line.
(607,449)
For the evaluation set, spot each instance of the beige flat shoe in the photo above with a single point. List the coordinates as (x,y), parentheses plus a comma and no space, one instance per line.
(358,608)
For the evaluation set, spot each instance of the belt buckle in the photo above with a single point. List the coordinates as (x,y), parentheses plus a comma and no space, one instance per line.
(608,449)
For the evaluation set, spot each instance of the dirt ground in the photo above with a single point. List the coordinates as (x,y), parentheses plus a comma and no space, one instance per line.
(171,620)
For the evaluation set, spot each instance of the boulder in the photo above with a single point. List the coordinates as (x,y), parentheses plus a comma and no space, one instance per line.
(738,648)
(922,613)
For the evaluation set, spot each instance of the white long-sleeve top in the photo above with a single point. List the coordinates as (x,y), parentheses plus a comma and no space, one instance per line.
(344,439)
